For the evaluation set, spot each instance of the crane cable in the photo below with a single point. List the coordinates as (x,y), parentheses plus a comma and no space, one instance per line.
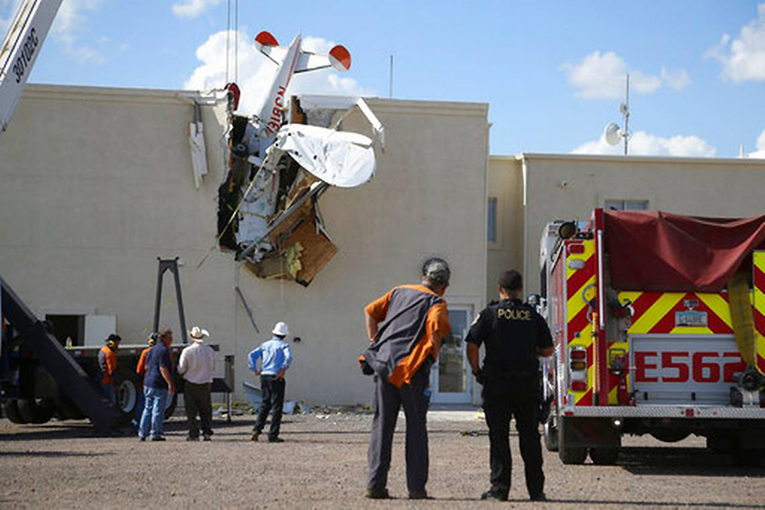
(236,41)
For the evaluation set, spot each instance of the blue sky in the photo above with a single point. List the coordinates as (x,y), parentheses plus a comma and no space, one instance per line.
(551,72)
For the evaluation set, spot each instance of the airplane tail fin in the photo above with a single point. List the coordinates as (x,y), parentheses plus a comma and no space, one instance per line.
(265,39)
(340,58)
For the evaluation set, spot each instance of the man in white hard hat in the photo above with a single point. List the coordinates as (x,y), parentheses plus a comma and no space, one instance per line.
(197,365)
(275,356)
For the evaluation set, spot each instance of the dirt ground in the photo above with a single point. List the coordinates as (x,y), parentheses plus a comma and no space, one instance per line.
(322,464)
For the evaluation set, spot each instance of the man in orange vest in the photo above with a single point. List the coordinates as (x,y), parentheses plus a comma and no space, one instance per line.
(141,370)
(107,364)
(405,328)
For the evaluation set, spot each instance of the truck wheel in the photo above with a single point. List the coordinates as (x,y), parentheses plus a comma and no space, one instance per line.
(569,455)
(170,409)
(604,455)
(11,411)
(36,410)
(127,395)
(550,435)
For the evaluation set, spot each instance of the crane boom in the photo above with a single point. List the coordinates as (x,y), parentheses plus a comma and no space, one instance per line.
(20,50)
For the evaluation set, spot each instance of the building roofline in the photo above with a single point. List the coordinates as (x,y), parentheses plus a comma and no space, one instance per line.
(118,94)
(465,109)
(530,156)
(125,94)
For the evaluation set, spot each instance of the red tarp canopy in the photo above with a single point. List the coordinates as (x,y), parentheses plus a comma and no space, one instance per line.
(663,252)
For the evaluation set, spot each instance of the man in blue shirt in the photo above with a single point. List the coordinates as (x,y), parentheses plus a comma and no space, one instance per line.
(157,383)
(275,360)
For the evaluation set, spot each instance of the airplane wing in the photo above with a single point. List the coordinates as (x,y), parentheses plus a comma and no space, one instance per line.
(338,57)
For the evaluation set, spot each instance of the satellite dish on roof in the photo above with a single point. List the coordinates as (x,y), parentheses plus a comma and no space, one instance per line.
(613,134)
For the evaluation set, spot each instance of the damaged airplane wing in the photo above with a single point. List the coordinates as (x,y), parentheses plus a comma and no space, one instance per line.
(268,204)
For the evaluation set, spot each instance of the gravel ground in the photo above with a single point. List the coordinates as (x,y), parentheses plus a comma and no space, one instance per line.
(322,464)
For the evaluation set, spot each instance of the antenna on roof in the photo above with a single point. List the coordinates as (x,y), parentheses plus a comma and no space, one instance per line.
(390,84)
(613,133)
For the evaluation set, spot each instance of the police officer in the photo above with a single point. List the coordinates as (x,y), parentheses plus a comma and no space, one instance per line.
(514,335)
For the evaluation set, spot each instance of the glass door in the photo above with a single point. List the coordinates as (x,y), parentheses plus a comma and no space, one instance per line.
(451,379)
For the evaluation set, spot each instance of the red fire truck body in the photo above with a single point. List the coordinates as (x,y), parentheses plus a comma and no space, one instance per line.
(634,361)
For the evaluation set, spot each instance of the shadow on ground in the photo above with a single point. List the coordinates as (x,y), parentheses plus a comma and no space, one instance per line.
(683,461)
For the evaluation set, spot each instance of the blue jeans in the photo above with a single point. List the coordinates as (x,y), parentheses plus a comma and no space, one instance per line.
(153,412)
(138,411)
(107,390)
(139,408)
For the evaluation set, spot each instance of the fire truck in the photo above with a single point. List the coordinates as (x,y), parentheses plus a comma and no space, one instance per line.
(658,322)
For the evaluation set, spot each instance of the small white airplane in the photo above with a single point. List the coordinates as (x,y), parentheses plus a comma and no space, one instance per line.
(290,60)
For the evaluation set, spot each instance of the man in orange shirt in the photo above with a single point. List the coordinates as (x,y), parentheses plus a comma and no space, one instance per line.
(405,328)
(141,370)
(107,365)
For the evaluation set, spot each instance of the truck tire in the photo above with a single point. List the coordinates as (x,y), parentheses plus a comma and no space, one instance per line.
(604,455)
(550,435)
(36,410)
(127,394)
(569,455)
(11,411)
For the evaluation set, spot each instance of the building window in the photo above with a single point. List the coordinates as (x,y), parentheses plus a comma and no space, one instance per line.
(625,205)
(492,220)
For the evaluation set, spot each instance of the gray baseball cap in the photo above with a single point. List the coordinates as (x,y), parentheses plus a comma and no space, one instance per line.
(436,271)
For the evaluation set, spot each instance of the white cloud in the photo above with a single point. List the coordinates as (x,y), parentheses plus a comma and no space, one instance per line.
(645,144)
(69,24)
(602,76)
(66,28)
(677,79)
(193,8)
(760,152)
(743,59)
(255,70)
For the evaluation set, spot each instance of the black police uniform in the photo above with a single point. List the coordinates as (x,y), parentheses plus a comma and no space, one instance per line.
(513,333)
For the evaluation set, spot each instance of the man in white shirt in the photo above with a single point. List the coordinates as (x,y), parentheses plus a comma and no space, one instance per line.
(197,365)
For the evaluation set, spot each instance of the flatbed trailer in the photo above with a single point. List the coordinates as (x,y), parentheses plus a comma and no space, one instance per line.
(41,379)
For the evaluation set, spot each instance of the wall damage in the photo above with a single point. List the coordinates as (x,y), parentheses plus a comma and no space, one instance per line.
(268,204)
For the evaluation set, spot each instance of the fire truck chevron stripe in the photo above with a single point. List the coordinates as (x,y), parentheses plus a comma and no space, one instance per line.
(584,398)
(576,302)
(653,315)
(577,324)
(759,290)
(758,297)
(577,279)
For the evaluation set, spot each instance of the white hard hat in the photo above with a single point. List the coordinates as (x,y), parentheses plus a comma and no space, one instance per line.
(281,329)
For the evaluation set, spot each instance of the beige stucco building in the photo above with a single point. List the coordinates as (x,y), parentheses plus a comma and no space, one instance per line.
(97,183)
(533,189)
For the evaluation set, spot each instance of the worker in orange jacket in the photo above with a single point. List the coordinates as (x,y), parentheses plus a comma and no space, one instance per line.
(107,365)
(141,370)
